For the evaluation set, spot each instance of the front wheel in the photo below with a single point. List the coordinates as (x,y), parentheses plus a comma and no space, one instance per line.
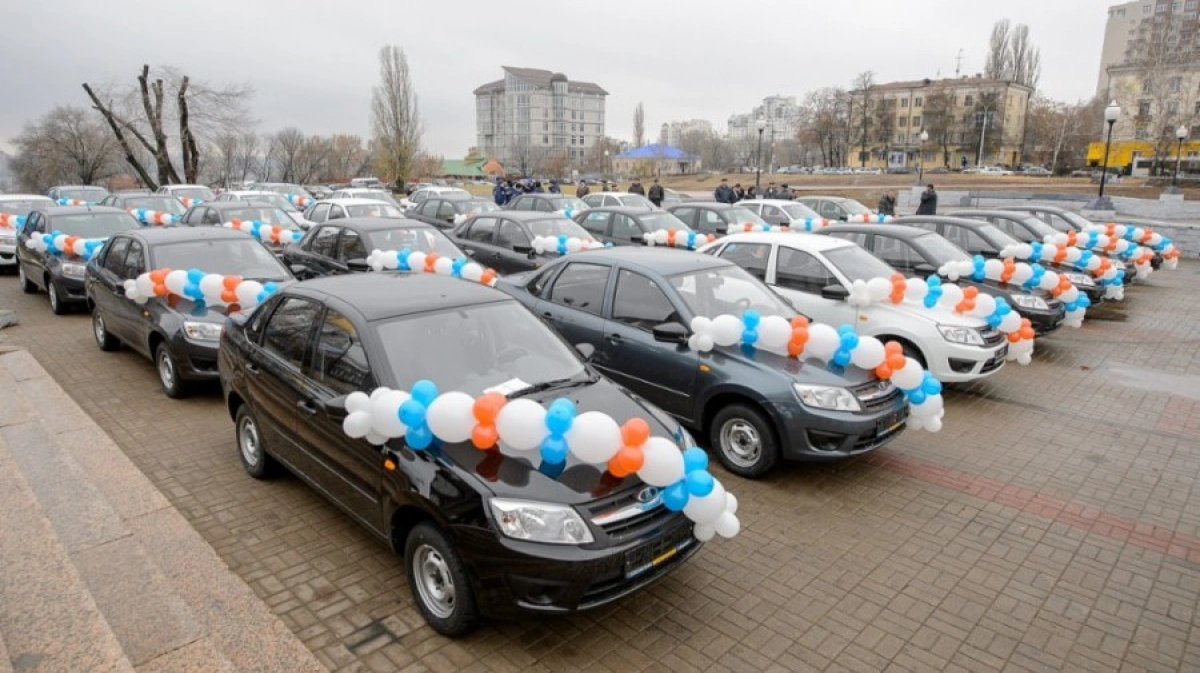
(744,441)
(168,372)
(439,582)
(104,340)
(255,459)
(56,301)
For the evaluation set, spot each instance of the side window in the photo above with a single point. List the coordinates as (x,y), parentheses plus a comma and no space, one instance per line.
(756,208)
(289,328)
(481,231)
(624,228)
(773,215)
(798,270)
(340,361)
(542,281)
(419,197)
(895,252)
(336,212)
(640,302)
(350,246)
(711,222)
(688,215)
(211,216)
(593,200)
(429,208)
(135,261)
(319,213)
(543,205)
(967,240)
(750,256)
(323,241)
(581,286)
(511,236)
(445,211)
(1013,229)
(855,237)
(114,259)
(596,222)
(830,210)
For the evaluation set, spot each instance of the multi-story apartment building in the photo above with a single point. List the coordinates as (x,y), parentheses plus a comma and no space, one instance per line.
(782,114)
(672,132)
(532,114)
(969,120)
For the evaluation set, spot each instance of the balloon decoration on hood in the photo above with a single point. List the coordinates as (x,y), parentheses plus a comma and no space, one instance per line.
(152,218)
(677,238)
(548,435)
(10,221)
(752,228)
(422,262)
(1028,277)
(58,244)
(870,218)
(1107,274)
(299,200)
(188,201)
(563,244)
(800,339)
(932,292)
(1102,244)
(267,233)
(75,202)
(1145,237)
(209,289)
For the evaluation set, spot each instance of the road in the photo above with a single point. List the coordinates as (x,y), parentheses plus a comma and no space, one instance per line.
(1052,524)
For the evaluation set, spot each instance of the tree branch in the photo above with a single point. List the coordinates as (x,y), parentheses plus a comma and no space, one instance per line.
(116,129)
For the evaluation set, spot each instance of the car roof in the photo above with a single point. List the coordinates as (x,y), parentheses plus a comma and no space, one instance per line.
(797,239)
(354,202)
(362,224)
(25,197)
(989,212)
(707,204)
(548,195)
(250,192)
(652,260)
(632,211)
(77,187)
(770,202)
(835,199)
(378,296)
(525,215)
(77,210)
(612,194)
(156,235)
(441,188)
(898,230)
(379,188)
(1029,208)
(187,186)
(230,205)
(946,219)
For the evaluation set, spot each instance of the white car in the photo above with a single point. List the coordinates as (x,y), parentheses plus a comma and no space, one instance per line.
(782,212)
(375,193)
(19,205)
(413,200)
(626,199)
(816,272)
(994,170)
(325,210)
(261,197)
(190,192)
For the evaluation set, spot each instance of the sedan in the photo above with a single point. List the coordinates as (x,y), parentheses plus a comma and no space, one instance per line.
(14,208)
(836,208)
(178,334)
(505,240)
(779,212)
(343,246)
(150,205)
(547,203)
(192,193)
(445,213)
(364,193)
(716,218)
(628,225)
(224,213)
(265,198)
(633,306)
(324,211)
(77,195)
(482,533)
(618,199)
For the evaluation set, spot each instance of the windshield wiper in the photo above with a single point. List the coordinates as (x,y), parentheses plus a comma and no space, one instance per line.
(570,381)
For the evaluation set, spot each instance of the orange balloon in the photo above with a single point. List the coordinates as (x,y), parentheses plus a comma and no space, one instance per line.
(487,407)
(893,347)
(799,321)
(897,278)
(231,282)
(484,437)
(795,348)
(897,297)
(160,289)
(896,360)
(1014,337)
(883,371)
(235,222)
(671,237)
(970,292)
(158,276)
(430,259)
(627,461)
(488,276)
(1060,255)
(635,432)
(228,296)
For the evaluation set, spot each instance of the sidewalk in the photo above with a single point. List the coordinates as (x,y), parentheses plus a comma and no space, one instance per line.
(97,571)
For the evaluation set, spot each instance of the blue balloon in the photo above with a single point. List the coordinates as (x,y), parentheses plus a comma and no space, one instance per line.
(993,321)
(915,396)
(675,496)
(552,470)
(419,438)
(194,275)
(1002,308)
(1083,300)
(424,391)
(457,265)
(402,257)
(412,413)
(750,337)
(554,450)
(270,287)
(930,385)
(933,281)
(691,235)
(694,459)
(699,483)
(841,358)
(751,318)
(560,416)
(1071,306)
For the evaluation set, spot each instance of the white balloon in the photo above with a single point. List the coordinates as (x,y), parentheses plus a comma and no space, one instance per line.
(701,325)
(1022,251)
(574,244)
(1049,281)
(951,295)
(358,401)
(869,353)
(131,289)
(933,424)
(247,292)
(915,289)
(727,330)
(594,437)
(1073,254)
(774,332)
(704,532)
(451,418)
(909,376)
(1021,273)
(1010,322)
(727,525)
(443,265)
(992,268)
(1070,295)
(376,438)
(822,341)
(357,424)
(176,280)
(985,305)
(212,284)
(731,503)
(879,288)
(472,271)
(385,413)
(521,424)
(662,462)
(390,259)
(709,508)
(704,343)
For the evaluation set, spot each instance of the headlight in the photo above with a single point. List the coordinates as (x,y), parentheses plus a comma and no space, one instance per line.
(1029,301)
(961,335)
(1081,280)
(827,397)
(202,331)
(540,522)
(8,235)
(73,270)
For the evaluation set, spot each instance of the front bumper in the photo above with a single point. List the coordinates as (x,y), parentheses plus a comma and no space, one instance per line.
(196,360)
(8,253)
(809,434)
(1044,321)
(956,363)
(70,290)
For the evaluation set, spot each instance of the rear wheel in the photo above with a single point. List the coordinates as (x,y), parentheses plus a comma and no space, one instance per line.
(27,286)
(104,340)
(255,459)
(168,372)
(439,582)
(744,440)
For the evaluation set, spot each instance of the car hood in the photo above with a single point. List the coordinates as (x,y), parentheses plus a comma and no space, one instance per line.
(802,371)
(940,315)
(508,473)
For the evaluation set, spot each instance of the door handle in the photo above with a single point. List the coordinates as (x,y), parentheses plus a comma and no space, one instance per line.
(614,339)
(469,253)
(547,314)
(252,368)
(307,406)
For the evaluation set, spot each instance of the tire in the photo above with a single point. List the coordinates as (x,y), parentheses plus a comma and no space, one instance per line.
(439,582)
(913,352)
(168,373)
(27,286)
(56,301)
(104,340)
(744,440)
(256,460)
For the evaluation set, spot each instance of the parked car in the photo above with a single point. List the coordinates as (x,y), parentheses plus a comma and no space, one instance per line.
(632,306)
(618,199)
(715,218)
(915,251)
(376,194)
(324,211)
(781,212)
(61,275)
(265,198)
(815,274)
(192,192)
(446,213)
(178,335)
(217,213)
(624,225)
(995,170)
(1065,221)
(1036,171)
(87,194)
(836,208)
(342,246)
(547,203)
(587,539)
(673,198)
(504,240)
(285,188)
(424,191)
(16,206)
(161,203)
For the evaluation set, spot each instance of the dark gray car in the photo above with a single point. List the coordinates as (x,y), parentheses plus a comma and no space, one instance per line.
(627,225)
(445,213)
(504,240)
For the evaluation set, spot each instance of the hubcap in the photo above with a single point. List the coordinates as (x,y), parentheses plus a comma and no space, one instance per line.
(248,439)
(98,324)
(53,295)
(434,582)
(166,369)
(740,442)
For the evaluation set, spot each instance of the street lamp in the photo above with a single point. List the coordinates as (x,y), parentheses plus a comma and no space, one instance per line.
(607,165)
(759,124)
(1111,113)
(921,157)
(1181,135)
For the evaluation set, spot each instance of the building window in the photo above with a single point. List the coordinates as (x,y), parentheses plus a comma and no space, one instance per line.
(1172,107)
(903,122)
(1141,134)
(1146,84)
(1174,83)
(917,102)
(1196,110)
(1143,108)
(916,122)
(545,140)
(969,100)
(903,102)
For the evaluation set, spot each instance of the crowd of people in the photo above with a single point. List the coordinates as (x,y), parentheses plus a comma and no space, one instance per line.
(508,189)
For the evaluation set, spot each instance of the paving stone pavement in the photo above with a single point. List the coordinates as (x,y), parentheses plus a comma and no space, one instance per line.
(1053,525)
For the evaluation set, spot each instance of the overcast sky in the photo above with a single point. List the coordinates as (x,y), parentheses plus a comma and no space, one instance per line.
(312,64)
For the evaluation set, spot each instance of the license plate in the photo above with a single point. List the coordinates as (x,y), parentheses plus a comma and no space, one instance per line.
(650,556)
(1003,351)
(889,423)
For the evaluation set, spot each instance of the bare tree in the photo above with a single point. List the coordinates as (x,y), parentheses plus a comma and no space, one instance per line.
(939,120)
(998,64)
(1025,60)
(395,117)
(864,82)
(226,148)
(285,148)
(64,145)
(639,125)
(310,159)
(826,126)
(347,157)
(247,160)
(428,165)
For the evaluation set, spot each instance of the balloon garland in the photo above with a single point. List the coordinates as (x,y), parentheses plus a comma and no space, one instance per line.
(425,414)
(58,244)
(752,228)
(1099,267)
(1143,236)
(870,218)
(10,221)
(75,202)
(267,233)
(677,238)
(298,200)
(407,260)
(800,339)
(154,217)
(188,201)
(1093,240)
(563,244)
(209,289)
(1028,277)
(932,292)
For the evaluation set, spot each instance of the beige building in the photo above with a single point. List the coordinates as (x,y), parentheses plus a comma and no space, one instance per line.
(1119,32)
(673,132)
(1148,34)
(962,117)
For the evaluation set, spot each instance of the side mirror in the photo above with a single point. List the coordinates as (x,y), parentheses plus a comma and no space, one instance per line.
(586,350)
(524,249)
(298,269)
(925,269)
(357,264)
(670,332)
(335,407)
(836,292)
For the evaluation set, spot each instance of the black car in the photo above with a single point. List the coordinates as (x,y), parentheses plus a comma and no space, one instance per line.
(445,213)
(915,251)
(629,225)
(286,371)
(342,246)
(633,306)
(219,213)
(988,237)
(179,335)
(715,218)
(1065,221)
(562,204)
(504,240)
(68,195)
(60,273)
(157,203)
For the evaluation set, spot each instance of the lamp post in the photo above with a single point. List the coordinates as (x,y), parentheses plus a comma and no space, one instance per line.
(607,165)
(759,124)
(1111,113)
(924,137)
(1181,135)
(982,136)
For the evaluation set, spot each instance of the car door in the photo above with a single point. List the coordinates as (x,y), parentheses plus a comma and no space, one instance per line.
(350,246)
(687,215)
(831,211)
(319,213)
(477,240)
(774,215)
(897,253)
(967,239)
(513,244)
(624,230)
(664,373)
(213,217)
(710,222)
(34,264)
(336,212)
(595,222)
(753,257)
(103,284)
(444,215)
(133,318)
(800,276)
(316,254)
(573,303)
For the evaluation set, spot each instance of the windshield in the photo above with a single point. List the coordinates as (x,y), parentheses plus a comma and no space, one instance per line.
(475,348)
(416,240)
(571,202)
(741,216)
(799,211)
(854,207)
(162,204)
(858,264)
(1039,228)
(558,226)
(22,207)
(635,201)
(242,256)
(93,194)
(93,225)
(264,215)
(270,199)
(202,193)
(475,206)
(727,289)
(374,210)
(285,188)
(656,221)
(939,249)
(1081,223)
(378,195)
(995,236)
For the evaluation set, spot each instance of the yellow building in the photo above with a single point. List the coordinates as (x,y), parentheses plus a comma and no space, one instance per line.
(1135,156)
